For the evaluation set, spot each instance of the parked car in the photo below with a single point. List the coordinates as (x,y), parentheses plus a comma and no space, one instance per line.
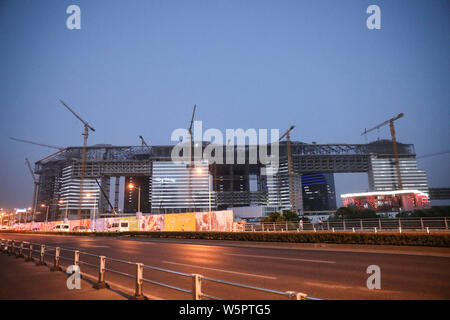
(35,229)
(64,227)
(81,229)
(4,228)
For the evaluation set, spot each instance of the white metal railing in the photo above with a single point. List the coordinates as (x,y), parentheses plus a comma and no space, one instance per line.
(353,225)
(17,248)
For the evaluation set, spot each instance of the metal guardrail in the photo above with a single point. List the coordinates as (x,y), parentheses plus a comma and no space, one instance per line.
(17,248)
(353,225)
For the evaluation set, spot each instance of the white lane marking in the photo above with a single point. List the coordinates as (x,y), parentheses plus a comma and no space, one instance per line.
(97,246)
(279,258)
(220,270)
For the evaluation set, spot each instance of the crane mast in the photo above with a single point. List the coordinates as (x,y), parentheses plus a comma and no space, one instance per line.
(85,135)
(35,191)
(394,144)
(287,134)
(191,154)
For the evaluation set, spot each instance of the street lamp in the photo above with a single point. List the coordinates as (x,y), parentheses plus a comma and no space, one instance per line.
(61,201)
(89,195)
(67,208)
(132,187)
(46,215)
(199,171)
(26,214)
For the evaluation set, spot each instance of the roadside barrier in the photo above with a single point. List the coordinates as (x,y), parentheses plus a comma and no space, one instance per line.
(195,291)
(425,224)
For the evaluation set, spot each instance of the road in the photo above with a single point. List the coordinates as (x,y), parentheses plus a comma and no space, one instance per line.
(329,274)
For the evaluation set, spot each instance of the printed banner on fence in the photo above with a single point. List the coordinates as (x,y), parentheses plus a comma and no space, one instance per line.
(152,223)
(192,221)
(179,222)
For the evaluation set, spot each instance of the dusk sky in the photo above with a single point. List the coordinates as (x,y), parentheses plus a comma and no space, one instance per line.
(138,67)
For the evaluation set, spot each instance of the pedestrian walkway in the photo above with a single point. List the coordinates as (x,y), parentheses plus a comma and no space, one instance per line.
(20,280)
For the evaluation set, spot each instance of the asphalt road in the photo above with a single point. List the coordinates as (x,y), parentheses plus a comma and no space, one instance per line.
(329,274)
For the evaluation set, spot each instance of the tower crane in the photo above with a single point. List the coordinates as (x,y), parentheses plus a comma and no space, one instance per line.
(85,134)
(287,134)
(144,144)
(190,165)
(36,180)
(190,137)
(36,187)
(394,144)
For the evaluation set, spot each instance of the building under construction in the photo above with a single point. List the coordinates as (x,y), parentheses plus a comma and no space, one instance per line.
(164,186)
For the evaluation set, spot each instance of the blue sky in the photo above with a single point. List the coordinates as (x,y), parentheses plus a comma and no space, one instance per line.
(138,67)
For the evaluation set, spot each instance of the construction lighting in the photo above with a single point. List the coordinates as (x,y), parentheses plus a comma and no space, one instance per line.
(199,170)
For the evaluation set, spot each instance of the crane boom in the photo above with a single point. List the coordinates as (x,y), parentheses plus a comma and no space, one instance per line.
(433,154)
(286,133)
(394,144)
(77,116)
(143,142)
(37,143)
(383,124)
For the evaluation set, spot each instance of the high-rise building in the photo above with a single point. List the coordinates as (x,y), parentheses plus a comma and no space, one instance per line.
(318,192)
(175,187)
(70,195)
(383,174)
(278,189)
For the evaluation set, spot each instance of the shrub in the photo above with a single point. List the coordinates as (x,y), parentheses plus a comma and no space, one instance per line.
(380,238)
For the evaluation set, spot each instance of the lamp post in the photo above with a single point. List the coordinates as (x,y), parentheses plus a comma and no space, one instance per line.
(89,195)
(67,209)
(200,171)
(46,215)
(131,187)
(60,202)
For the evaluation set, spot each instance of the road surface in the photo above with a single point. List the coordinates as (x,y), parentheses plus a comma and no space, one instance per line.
(328,274)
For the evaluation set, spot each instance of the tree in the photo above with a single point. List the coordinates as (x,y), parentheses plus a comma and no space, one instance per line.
(434,211)
(290,216)
(273,217)
(277,217)
(352,212)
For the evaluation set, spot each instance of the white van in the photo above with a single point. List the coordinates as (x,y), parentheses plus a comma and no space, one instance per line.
(124,226)
(119,226)
(64,227)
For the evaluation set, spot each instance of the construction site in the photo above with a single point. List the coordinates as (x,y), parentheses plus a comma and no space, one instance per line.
(105,180)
